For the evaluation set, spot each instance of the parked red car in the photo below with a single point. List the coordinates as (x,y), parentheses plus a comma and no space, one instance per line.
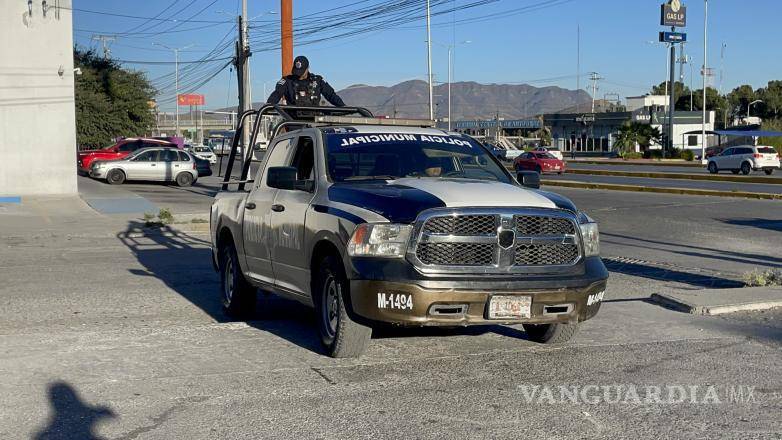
(539,161)
(117,151)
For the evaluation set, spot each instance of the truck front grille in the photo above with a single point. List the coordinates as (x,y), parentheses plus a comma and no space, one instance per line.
(467,240)
(459,254)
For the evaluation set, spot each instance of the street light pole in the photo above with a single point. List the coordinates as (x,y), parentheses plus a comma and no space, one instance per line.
(750,105)
(450,74)
(705,45)
(429,58)
(176,77)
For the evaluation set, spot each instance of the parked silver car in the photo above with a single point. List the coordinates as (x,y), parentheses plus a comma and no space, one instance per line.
(148,164)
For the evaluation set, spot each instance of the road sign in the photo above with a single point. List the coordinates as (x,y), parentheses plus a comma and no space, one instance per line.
(190,99)
(673,13)
(673,37)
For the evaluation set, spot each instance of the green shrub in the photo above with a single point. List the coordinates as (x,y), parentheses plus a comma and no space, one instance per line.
(632,155)
(165,216)
(688,155)
(758,278)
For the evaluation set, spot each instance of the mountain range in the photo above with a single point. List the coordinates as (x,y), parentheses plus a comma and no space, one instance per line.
(470,100)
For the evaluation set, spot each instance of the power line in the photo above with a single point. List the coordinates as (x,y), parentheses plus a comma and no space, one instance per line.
(136,17)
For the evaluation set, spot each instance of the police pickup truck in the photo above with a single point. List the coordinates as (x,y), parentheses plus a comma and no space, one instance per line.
(374,221)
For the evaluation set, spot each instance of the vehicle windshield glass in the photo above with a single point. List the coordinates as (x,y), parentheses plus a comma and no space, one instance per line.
(367,156)
(766,150)
(545,155)
(201,150)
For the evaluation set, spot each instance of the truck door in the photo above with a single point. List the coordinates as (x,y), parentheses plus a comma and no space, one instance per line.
(257,216)
(289,256)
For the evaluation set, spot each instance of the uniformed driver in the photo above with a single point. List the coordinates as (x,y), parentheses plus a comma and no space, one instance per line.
(303,88)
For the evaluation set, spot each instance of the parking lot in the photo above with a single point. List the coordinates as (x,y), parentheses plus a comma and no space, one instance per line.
(119,333)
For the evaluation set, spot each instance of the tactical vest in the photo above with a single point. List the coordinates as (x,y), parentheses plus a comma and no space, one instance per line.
(307,93)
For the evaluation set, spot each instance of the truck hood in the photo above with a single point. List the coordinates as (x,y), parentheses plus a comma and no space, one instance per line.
(403,199)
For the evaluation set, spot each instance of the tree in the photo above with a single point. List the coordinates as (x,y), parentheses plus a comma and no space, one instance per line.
(636,133)
(772,100)
(714,101)
(110,101)
(772,125)
(739,98)
(682,93)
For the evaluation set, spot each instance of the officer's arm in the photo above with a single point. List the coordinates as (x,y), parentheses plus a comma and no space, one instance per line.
(330,95)
(278,93)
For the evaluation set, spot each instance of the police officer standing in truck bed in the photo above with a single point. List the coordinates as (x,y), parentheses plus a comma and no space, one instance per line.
(303,88)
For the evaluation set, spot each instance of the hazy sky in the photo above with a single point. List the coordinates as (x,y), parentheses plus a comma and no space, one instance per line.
(536,46)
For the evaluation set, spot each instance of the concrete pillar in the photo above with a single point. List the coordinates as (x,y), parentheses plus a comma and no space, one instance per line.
(37,113)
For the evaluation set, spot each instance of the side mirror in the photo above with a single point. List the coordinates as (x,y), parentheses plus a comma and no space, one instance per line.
(281,178)
(529,179)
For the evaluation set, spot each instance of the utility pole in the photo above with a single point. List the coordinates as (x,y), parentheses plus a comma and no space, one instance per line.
(176,77)
(429,59)
(578,64)
(722,64)
(104,39)
(671,99)
(286,35)
(594,77)
(243,78)
(705,45)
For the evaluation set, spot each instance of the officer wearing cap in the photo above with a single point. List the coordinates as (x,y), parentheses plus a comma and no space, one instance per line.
(303,88)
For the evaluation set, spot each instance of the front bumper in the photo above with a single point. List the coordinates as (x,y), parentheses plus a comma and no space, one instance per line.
(572,298)
(98,173)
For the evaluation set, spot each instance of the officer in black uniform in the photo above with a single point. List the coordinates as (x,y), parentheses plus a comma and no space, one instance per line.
(304,88)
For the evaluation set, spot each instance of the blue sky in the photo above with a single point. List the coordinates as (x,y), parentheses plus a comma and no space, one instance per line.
(527,47)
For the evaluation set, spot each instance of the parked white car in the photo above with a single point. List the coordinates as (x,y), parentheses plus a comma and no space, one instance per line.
(148,164)
(553,152)
(204,153)
(744,159)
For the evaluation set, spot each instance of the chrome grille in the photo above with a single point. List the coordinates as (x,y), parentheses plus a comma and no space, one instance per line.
(537,225)
(466,240)
(458,254)
(462,225)
(545,254)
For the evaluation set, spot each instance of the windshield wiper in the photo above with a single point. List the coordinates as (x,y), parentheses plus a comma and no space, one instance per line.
(378,177)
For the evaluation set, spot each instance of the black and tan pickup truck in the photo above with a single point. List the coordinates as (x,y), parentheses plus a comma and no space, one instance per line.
(375,222)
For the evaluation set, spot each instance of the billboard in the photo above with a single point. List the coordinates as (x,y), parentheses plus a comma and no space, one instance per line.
(673,13)
(190,99)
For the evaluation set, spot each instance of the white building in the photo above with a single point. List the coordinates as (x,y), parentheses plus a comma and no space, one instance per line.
(637,102)
(37,113)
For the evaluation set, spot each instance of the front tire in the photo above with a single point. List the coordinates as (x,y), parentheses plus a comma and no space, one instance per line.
(550,333)
(341,336)
(115,177)
(238,296)
(745,168)
(713,168)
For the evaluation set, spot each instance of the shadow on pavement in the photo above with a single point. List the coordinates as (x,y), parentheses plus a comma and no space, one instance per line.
(761,223)
(670,274)
(715,254)
(183,263)
(71,417)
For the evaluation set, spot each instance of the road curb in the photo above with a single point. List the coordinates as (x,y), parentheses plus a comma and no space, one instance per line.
(653,164)
(719,302)
(679,176)
(661,190)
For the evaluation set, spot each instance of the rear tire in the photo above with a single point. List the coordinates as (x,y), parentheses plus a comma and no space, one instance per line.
(340,335)
(184,179)
(550,333)
(769,171)
(238,296)
(713,168)
(745,168)
(115,177)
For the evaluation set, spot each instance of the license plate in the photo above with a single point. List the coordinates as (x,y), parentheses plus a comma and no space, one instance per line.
(509,307)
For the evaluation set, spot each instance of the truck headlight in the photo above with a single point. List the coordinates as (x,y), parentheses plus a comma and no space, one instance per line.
(379,240)
(591,237)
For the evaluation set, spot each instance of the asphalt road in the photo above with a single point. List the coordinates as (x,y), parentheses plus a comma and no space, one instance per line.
(109,331)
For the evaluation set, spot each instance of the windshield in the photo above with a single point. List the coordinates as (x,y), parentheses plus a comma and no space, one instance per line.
(545,156)
(366,156)
(202,150)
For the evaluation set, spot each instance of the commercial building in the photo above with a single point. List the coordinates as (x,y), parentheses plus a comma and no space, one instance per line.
(37,112)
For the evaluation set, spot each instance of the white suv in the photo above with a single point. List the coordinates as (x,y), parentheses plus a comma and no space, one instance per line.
(745,158)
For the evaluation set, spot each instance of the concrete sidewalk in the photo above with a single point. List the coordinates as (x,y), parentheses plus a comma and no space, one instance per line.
(720,301)
(113,199)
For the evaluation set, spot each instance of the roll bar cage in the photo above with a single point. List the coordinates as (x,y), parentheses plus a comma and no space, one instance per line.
(292,116)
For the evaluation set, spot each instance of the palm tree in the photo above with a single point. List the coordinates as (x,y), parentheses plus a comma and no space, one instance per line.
(634,134)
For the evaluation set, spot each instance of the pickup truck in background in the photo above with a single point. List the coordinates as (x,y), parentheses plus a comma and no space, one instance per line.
(399,223)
